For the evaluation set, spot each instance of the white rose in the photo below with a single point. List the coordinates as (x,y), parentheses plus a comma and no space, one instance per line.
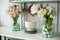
(41,12)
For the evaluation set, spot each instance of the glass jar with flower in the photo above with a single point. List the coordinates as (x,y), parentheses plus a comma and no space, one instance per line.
(48,14)
(14,11)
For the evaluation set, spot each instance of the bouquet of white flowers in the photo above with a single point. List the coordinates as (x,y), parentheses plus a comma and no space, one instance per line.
(49,14)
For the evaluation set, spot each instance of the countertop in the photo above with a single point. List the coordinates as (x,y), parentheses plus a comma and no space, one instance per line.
(6,31)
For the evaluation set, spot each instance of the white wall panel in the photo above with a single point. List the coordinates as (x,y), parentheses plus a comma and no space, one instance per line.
(59,19)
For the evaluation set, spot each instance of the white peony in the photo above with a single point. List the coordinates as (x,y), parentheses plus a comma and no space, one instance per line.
(34,9)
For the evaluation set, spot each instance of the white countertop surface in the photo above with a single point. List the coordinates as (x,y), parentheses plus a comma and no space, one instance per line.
(6,31)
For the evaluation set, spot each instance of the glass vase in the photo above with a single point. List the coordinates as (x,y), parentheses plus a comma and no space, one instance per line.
(15,26)
(48,32)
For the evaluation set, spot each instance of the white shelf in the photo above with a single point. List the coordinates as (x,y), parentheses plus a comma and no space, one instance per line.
(35,1)
(6,31)
(15,1)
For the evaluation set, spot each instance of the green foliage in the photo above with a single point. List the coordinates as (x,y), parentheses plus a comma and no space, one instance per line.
(15,19)
(49,20)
